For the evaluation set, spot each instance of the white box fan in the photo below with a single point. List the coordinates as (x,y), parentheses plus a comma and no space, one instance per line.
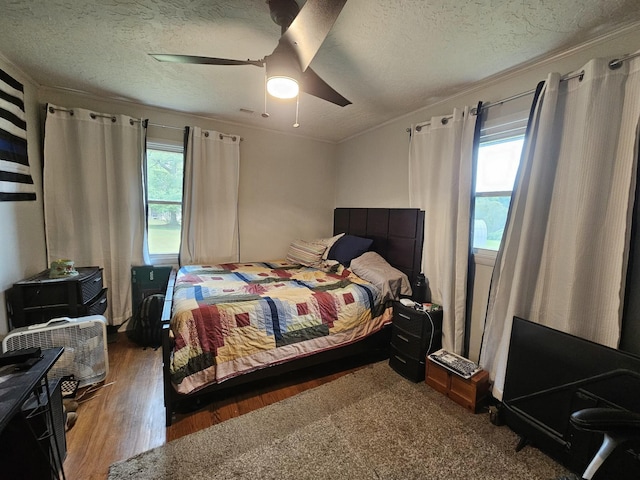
(84,340)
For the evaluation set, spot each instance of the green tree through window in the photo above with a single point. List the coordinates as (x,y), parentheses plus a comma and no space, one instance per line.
(496,171)
(164,183)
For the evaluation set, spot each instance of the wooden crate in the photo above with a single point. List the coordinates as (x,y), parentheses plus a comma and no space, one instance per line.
(470,393)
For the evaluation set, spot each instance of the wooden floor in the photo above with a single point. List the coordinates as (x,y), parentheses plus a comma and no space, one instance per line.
(125,414)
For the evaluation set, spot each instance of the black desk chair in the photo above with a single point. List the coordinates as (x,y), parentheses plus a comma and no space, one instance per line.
(618,427)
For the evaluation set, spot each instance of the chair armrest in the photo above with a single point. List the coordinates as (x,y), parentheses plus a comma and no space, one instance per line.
(607,420)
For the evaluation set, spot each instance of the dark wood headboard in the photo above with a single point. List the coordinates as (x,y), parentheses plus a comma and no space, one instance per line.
(397,233)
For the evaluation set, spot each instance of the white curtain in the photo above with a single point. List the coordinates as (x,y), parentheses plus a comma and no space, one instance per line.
(93,197)
(210,198)
(564,254)
(440,173)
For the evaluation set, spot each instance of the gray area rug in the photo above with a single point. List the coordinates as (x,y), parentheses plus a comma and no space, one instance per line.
(370,424)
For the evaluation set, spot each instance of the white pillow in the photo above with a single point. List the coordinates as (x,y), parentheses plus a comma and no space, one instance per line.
(328,242)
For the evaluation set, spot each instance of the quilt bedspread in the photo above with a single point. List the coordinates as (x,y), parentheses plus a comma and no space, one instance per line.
(233,318)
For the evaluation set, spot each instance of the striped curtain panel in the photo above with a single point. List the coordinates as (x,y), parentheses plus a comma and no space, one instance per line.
(15,177)
(563,262)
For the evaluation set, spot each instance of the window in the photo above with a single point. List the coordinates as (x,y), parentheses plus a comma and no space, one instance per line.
(164,172)
(501,140)
(495,174)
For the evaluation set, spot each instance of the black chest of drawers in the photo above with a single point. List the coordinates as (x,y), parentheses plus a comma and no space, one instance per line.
(38,299)
(415,334)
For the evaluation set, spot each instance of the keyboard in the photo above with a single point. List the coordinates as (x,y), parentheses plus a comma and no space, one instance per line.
(461,366)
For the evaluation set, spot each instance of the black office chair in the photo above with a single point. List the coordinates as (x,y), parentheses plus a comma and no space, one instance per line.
(618,427)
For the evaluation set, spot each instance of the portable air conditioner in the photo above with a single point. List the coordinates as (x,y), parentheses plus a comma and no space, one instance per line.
(84,340)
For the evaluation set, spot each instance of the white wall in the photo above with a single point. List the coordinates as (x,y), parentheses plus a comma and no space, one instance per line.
(372,168)
(286,185)
(22,245)
(286,181)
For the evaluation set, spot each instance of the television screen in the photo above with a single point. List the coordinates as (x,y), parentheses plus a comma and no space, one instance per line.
(550,374)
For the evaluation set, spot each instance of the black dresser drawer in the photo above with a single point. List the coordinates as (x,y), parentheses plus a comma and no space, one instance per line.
(406,342)
(410,324)
(408,319)
(34,316)
(99,305)
(41,290)
(408,367)
(91,286)
(43,314)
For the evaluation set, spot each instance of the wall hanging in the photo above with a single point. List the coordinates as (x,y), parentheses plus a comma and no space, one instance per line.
(15,177)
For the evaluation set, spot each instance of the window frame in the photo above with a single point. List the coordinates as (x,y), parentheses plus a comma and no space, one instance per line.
(503,123)
(493,193)
(166,146)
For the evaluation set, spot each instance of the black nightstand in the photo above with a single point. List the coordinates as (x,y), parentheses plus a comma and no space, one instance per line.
(415,334)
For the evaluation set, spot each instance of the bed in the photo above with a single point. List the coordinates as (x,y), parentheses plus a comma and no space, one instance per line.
(230,324)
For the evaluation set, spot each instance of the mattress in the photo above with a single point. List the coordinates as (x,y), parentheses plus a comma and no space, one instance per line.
(234,318)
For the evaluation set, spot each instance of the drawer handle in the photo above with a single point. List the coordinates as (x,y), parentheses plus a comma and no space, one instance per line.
(401,359)
(99,279)
(404,339)
(406,317)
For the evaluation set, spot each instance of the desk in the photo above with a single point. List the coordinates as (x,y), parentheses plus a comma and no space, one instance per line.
(22,455)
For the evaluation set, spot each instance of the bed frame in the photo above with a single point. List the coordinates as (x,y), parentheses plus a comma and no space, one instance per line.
(397,235)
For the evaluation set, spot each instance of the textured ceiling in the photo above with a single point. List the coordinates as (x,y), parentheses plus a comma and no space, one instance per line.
(388,57)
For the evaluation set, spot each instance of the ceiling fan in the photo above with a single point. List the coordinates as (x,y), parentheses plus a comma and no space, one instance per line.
(302,33)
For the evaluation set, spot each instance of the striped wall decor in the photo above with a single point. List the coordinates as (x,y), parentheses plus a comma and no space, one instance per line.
(15,177)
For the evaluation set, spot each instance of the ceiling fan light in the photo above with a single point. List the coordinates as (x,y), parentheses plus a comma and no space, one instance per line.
(280,86)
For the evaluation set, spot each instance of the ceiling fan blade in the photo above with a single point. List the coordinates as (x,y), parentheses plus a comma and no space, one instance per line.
(314,85)
(310,27)
(204,60)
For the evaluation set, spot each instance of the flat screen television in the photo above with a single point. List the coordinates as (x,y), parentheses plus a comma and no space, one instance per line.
(550,374)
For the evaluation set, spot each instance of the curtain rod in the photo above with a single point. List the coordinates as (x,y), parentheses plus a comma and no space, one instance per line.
(132,121)
(221,135)
(564,78)
(443,120)
(91,114)
(613,65)
(164,126)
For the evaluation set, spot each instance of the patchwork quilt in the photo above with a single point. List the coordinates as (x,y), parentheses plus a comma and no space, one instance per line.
(234,318)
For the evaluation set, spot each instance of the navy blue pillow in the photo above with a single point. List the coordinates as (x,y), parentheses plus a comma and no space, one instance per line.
(349,247)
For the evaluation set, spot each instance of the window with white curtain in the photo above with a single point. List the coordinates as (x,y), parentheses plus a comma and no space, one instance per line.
(164,173)
(501,140)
